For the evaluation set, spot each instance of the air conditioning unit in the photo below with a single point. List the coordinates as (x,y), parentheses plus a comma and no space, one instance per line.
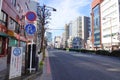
(11,25)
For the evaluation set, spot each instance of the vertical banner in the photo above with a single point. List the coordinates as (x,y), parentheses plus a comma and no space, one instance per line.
(15,62)
(0,5)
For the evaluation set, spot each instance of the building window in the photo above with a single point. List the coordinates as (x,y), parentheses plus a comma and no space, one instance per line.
(12,24)
(26,6)
(13,2)
(18,8)
(3,18)
(17,28)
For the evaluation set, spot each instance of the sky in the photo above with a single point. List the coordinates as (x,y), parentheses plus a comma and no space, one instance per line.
(67,10)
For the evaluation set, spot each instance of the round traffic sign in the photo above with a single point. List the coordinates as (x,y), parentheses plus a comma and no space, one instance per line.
(30,29)
(31,16)
(17,51)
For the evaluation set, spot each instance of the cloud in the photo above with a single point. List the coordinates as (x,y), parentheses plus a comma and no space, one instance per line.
(67,10)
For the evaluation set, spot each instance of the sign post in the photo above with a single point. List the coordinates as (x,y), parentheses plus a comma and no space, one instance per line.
(15,62)
(30,29)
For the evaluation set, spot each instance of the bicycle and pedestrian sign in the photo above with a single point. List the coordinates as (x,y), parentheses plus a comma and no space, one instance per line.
(15,62)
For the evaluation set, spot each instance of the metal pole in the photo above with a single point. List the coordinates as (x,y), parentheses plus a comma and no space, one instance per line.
(31,57)
(111,33)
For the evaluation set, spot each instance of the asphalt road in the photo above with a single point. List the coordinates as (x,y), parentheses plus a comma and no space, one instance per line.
(76,66)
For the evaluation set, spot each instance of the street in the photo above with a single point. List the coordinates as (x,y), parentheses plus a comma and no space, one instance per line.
(76,66)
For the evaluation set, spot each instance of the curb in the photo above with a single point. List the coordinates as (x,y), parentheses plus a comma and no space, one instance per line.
(33,76)
(29,77)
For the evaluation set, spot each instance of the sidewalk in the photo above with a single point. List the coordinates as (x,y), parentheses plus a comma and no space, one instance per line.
(46,75)
(4,72)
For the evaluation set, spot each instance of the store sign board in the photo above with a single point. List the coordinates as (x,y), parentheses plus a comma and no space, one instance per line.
(10,33)
(15,62)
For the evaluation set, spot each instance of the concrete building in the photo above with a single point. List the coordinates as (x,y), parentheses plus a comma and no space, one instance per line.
(63,40)
(12,32)
(80,28)
(66,35)
(49,36)
(110,24)
(105,24)
(57,42)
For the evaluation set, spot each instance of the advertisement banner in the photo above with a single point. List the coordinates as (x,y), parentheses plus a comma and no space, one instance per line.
(15,62)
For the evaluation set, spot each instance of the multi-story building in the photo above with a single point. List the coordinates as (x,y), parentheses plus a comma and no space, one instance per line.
(110,23)
(105,24)
(66,34)
(96,24)
(80,29)
(63,40)
(12,22)
(49,37)
(57,42)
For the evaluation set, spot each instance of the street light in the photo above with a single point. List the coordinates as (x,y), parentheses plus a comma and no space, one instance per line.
(110,18)
(43,15)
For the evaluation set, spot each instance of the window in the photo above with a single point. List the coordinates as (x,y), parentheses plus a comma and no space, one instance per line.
(18,8)
(12,24)
(13,2)
(27,6)
(3,18)
(17,28)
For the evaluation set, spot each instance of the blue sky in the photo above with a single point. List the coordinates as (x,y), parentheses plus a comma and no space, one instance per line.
(67,10)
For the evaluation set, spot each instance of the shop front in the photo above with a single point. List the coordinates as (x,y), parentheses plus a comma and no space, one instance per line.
(3,41)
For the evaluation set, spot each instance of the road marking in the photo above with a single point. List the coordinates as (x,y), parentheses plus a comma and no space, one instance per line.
(114,69)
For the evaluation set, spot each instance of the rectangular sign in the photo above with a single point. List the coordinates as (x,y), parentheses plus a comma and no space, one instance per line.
(15,62)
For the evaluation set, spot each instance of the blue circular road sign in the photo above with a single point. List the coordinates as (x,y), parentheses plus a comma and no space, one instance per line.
(17,51)
(30,29)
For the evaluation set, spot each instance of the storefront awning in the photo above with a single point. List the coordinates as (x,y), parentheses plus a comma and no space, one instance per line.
(3,34)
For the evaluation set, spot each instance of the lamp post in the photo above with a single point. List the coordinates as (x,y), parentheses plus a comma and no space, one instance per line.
(110,18)
(43,15)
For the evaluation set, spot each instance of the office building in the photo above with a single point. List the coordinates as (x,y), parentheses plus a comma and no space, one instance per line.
(110,23)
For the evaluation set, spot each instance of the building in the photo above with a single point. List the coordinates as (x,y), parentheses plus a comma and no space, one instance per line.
(49,38)
(57,42)
(12,32)
(79,28)
(110,23)
(63,44)
(66,34)
(105,24)
(96,24)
